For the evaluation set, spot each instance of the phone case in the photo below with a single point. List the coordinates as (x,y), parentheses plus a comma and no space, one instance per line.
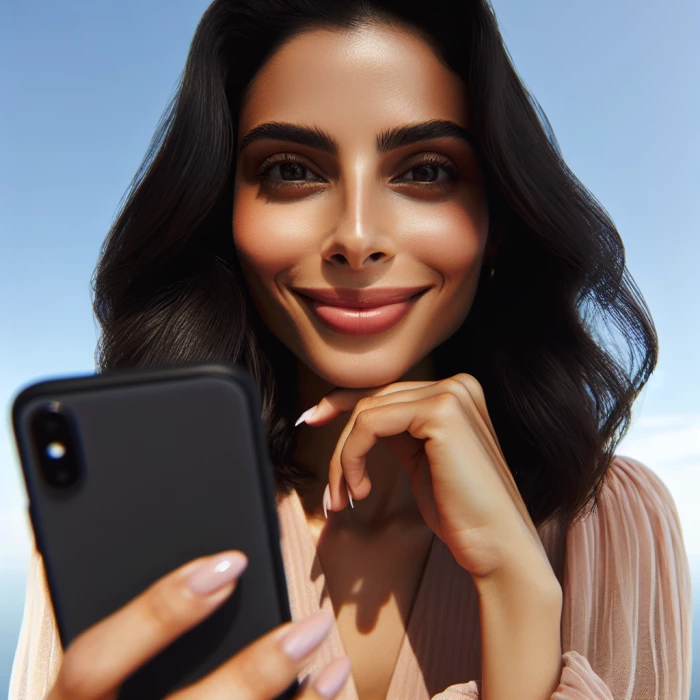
(175,467)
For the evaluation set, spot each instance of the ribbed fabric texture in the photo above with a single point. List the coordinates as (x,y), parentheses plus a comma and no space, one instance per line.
(626,621)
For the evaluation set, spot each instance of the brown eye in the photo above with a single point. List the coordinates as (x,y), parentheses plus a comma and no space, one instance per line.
(290,171)
(429,172)
(425,173)
(286,168)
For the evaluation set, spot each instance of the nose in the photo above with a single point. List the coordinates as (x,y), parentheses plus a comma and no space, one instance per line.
(360,238)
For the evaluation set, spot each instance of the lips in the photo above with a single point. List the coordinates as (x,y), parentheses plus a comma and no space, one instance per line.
(361,311)
(360,298)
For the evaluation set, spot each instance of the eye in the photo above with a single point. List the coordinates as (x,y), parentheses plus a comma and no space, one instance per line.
(286,168)
(426,172)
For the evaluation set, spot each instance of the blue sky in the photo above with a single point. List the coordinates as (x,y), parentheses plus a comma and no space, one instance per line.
(84,84)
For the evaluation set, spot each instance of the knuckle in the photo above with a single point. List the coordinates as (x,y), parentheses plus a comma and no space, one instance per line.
(459,388)
(164,609)
(472,384)
(366,403)
(446,404)
(363,417)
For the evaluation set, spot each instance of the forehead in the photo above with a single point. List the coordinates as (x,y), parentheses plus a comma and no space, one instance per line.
(347,80)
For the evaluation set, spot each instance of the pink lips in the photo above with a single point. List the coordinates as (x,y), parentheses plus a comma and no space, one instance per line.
(360,311)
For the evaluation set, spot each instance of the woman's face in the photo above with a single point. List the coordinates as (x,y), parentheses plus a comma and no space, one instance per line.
(358,211)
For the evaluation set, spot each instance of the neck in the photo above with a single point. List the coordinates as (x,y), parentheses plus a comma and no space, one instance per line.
(391,496)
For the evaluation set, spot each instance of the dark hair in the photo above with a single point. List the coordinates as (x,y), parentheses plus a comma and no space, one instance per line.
(168,287)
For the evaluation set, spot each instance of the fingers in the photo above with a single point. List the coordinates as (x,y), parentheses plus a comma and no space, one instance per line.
(328,683)
(343,400)
(267,666)
(466,387)
(104,656)
(347,475)
(97,662)
(398,420)
(398,416)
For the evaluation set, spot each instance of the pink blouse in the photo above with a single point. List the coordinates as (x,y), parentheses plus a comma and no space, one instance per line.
(626,621)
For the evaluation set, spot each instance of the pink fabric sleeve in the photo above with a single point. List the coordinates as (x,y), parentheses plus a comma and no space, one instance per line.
(627,617)
(626,620)
(39,652)
(577,682)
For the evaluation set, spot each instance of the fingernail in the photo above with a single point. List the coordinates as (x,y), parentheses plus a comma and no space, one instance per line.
(306,414)
(327,500)
(347,488)
(333,677)
(306,635)
(216,572)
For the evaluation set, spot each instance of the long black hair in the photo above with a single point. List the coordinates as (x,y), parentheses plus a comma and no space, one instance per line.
(539,336)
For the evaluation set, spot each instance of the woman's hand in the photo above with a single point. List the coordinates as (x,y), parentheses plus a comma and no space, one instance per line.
(98,661)
(442,434)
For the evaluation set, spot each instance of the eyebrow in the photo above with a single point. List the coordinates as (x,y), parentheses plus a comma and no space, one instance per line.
(386,141)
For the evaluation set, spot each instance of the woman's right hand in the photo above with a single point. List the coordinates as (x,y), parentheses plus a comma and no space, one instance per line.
(100,659)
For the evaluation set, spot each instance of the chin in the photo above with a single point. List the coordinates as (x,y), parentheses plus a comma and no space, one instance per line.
(362,373)
(347,380)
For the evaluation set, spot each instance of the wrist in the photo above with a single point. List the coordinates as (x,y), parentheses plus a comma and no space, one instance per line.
(528,572)
(520,614)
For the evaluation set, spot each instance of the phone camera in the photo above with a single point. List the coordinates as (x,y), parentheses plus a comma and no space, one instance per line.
(55,442)
(56,450)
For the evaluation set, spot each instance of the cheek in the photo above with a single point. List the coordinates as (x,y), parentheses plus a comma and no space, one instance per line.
(451,240)
(270,242)
(263,243)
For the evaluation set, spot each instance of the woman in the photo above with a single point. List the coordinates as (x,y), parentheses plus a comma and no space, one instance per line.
(361,203)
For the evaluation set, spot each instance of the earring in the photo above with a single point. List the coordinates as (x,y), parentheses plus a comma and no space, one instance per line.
(492,273)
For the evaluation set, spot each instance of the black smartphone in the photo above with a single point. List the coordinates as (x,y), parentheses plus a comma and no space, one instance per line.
(131,474)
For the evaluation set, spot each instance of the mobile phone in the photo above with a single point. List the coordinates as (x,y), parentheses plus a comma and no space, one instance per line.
(131,474)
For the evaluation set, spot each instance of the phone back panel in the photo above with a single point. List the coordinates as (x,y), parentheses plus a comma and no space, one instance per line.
(175,467)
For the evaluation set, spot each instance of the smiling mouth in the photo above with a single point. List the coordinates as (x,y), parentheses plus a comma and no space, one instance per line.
(361,320)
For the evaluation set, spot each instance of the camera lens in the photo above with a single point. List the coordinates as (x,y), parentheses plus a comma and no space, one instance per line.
(55,450)
(56,445)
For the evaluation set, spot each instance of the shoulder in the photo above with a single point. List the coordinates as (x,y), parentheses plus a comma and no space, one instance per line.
(633,528)
(633,493)
(626,474)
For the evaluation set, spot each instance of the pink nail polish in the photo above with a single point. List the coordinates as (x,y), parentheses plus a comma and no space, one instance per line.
(327,500)
(333,677)
(347,488)
(306,635)
(216,572)
(306,414)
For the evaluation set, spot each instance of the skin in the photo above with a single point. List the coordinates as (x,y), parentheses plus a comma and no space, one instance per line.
(98,661)
(360,219)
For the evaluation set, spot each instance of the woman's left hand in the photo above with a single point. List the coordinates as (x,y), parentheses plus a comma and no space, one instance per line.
(442,434)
